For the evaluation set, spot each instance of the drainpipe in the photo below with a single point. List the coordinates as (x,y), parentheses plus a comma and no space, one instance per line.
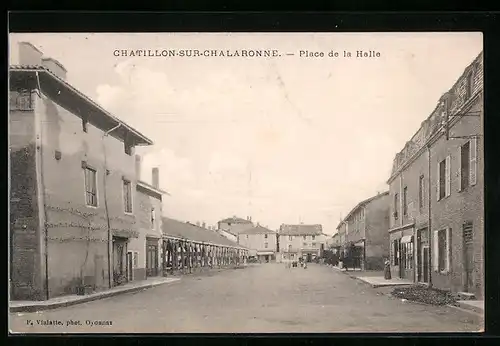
(43,197)
(429,231)
(110,240)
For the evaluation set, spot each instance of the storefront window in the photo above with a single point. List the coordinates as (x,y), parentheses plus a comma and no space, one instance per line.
(408,254)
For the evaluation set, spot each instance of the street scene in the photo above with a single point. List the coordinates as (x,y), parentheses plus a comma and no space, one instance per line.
(246,183)
(260,299)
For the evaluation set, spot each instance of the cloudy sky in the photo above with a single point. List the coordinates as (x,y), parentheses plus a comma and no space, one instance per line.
(284,139)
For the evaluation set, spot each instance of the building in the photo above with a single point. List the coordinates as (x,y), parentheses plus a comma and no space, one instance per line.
(436,190)
(234,225)
(188,248)
(72,180)
(260,239)
(300,241)
(364,232)
(144,255)
(228,234)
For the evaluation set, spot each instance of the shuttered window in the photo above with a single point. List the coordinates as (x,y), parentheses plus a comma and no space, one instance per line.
(442,250)
(473,162)
(90,186)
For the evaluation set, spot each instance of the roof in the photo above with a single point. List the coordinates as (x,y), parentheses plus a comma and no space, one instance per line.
(235,219)
(150,188)
(114,121)
(432,124)
(226,231)
(301,229)
(185,230)
(258,230)
(362,204)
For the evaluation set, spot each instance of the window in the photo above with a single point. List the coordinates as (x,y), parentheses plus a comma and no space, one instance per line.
(289,247)
(290,238)
(90,186)
(305,237)
(304,244)
(441,254)
(313,244)
(127,196)
(421,192)
(395,252)
(247,236)
(313,237)
(21,100)
(407,255)
(265,236)
(468,164)
(405,201)
(396,202)
(153,218)
(265,245)
(443,173)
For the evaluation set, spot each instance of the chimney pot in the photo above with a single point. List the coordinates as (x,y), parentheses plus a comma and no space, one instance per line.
(55,67)
(29,54)
(138,165)
(156,177)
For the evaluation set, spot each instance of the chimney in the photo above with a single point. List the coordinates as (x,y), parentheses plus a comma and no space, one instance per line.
(138,164)
(204,225)
(198,223)
(156,178)
(55,67)
(29,54)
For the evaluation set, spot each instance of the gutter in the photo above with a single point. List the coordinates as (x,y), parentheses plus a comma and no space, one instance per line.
(42,193)
(108,221)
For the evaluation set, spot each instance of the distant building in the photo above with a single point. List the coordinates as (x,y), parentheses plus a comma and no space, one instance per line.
(436,190)
(364,232)
(260,239)
(228,234)
(234,225)
(300,241)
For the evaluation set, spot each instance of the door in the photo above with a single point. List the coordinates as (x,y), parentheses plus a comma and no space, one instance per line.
(425,264)
(151,258)
(130,259)
(420,251)
(468,258)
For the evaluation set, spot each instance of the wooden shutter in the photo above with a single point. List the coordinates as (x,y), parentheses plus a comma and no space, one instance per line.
(435,251)
(448,176)
(473,161)
(459,174)
(448,249)
(438,180)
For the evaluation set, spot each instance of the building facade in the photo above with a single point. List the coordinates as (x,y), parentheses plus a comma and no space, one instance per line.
(234,225)
(300,241)
(365,232)
(262,240)
(72,179)
(436,189)
(144,254)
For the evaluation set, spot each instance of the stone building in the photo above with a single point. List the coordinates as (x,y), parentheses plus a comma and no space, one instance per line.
(261,240)
(72,179)
(300,241)
(436,190)
(144,255)
(365,232)
(234,225)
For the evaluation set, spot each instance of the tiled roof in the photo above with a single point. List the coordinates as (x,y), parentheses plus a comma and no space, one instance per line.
(235,219)
(258,230)
(360,204)
(301,230)
(184,230)
(68,86)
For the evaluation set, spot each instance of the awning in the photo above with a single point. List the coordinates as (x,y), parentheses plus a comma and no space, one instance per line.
(407,239)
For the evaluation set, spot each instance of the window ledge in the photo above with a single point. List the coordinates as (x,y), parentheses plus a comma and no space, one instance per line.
(92,206)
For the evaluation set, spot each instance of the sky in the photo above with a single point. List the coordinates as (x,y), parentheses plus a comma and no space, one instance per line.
(287,139)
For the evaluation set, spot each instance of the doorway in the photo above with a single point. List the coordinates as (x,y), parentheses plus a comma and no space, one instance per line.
(468,257)
(423,256)
(151,257)
(130,262)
